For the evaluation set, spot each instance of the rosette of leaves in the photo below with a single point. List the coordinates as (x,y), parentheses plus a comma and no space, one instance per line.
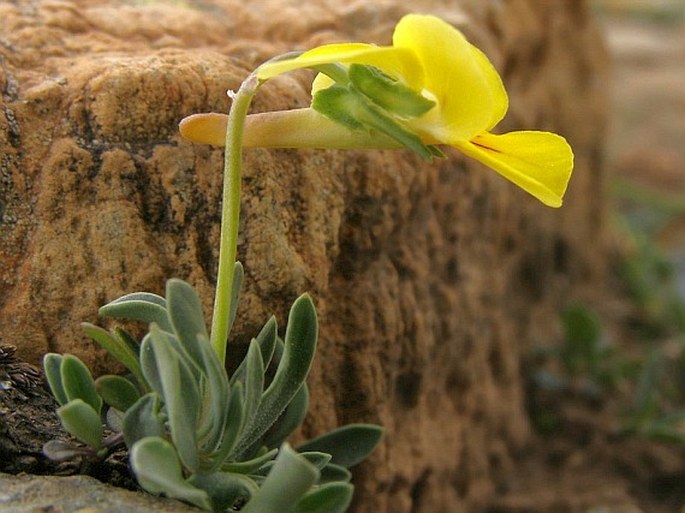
(193,432)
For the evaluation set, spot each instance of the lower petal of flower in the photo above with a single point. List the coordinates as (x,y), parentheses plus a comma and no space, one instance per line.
(538,162)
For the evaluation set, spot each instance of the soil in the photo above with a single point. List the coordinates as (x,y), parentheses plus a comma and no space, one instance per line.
(28,420)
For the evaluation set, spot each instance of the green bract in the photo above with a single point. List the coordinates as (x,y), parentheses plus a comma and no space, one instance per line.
(194,432)
(363,98)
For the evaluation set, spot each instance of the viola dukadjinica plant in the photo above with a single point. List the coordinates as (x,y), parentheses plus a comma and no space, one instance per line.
(217,441)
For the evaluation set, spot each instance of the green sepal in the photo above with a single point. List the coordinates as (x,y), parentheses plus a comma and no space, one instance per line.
(82,421)
(336,72)
(391,95)
(348,445)
(117,392)
(350,108)
(78,382)
(341,105)
(157,467)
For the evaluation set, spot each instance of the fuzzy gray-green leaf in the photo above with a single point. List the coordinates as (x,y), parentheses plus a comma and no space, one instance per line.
(250,466)
(78,382)
(52,365)
(226,490)
(117,392)
(232,428)
(318,459)
(186,316)
(348,445)
(329,498)
(289,420)
(181,397)
(58,450)
(115,346)
(300,344)
(238,276)
(290,478)
(267,342)
(333,473)
(82,421)
(143,419)
(139,306)
(217,390)
(158,469)
(148,365)
(254,381)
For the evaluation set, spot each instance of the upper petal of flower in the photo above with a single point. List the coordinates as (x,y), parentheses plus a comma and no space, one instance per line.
(538,162)
(470,95)
(393,61)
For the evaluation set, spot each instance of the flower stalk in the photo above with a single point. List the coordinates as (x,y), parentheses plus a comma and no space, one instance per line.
(230,213)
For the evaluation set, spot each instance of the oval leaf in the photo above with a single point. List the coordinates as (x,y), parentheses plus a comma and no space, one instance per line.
(82,421)
(139,306)
(181,397)
(300,344)
(347,445)
(143,420)
(290,478)
(115,346)
(52,364)
(186,316)
(329,498)
(117,392)
(78,382)
(158,470)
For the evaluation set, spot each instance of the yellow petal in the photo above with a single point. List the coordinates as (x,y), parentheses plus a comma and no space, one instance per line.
(469,91)
(538,162)
(208,128)
(321,81)
(391,60)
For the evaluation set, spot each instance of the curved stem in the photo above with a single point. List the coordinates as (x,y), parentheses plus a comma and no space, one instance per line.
(230,214)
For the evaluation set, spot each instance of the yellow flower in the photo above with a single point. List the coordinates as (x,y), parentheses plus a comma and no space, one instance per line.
(434,61)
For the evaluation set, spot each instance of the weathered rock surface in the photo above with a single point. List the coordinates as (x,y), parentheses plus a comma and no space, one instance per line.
(431,280)
(77,494)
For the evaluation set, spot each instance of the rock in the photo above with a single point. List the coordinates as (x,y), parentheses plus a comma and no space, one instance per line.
(432,281)
(77,494)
